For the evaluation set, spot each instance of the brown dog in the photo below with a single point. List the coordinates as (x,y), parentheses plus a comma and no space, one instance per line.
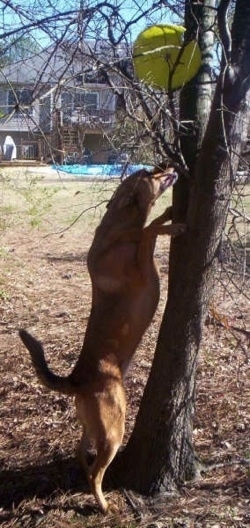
(125,294)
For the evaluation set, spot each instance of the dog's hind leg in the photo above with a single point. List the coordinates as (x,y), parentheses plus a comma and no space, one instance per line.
(110,425)
(84,455)
(106,452)
(102,413)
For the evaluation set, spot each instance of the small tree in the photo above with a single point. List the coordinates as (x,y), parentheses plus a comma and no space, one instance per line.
(160,453)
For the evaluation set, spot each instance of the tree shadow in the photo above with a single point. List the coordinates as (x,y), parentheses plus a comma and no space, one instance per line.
(41,481)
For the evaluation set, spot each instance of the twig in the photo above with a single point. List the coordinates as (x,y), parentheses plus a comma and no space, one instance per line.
(62,231)
(240,462)
(236,214)
(132,504)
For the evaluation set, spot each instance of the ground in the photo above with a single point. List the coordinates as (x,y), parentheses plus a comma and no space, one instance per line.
(47,224)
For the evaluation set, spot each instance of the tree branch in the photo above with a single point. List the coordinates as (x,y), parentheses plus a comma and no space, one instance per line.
(224,31)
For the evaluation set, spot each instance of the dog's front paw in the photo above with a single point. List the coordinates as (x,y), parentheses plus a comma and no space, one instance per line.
(178,229)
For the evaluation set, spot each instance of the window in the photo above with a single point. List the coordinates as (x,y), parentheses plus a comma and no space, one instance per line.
(20,100)
(86,100)
(82,101)
(94,77)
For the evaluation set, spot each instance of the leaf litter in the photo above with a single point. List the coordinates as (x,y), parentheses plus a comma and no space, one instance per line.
(47,289)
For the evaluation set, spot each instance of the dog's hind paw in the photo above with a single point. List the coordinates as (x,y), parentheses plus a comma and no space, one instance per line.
(112,508)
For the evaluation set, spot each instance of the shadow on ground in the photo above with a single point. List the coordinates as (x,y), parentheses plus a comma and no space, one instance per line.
(40,481)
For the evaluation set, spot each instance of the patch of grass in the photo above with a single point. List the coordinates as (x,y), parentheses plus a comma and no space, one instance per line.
(38,200)
(4,296)
(3,252)
(6,216)
(24,196)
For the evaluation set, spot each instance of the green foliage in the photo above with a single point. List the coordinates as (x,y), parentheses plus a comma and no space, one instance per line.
(38,200)
(6,211)
(15,49)
(3,251)
(24,196)
(4,295)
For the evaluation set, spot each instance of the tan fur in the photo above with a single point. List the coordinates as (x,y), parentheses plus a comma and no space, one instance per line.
(125,294)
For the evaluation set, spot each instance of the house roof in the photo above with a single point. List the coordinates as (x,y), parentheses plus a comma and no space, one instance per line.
(47,66)
(55,63)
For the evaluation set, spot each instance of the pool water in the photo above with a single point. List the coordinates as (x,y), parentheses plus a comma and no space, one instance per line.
(101,171)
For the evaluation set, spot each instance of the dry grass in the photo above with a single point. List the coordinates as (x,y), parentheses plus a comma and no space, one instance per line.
(44,286)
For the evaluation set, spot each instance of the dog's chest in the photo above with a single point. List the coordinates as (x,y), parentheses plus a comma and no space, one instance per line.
(115,269)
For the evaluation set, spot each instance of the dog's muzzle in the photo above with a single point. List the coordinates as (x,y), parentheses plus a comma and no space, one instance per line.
(170,179)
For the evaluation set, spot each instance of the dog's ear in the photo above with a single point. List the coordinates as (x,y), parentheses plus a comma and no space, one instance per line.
(125,200)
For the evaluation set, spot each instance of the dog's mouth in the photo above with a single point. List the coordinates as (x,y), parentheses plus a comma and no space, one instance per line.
(168,180)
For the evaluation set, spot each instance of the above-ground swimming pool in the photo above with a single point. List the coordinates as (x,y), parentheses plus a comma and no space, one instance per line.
(100,171)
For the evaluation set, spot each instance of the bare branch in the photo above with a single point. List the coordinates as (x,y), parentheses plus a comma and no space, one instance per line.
(224,31)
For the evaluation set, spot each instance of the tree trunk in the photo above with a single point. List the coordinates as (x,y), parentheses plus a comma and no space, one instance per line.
(159,454)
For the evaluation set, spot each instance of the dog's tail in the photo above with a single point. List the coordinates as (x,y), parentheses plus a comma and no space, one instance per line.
(44,374)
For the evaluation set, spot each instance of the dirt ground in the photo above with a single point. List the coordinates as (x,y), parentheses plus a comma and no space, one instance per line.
(46,226)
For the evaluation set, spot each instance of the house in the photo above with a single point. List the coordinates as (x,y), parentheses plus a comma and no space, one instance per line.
(56,105)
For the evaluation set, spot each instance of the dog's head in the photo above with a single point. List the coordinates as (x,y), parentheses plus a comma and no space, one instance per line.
(142,189)
(161,179)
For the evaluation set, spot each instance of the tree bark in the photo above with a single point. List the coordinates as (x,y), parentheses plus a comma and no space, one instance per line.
(160,454)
